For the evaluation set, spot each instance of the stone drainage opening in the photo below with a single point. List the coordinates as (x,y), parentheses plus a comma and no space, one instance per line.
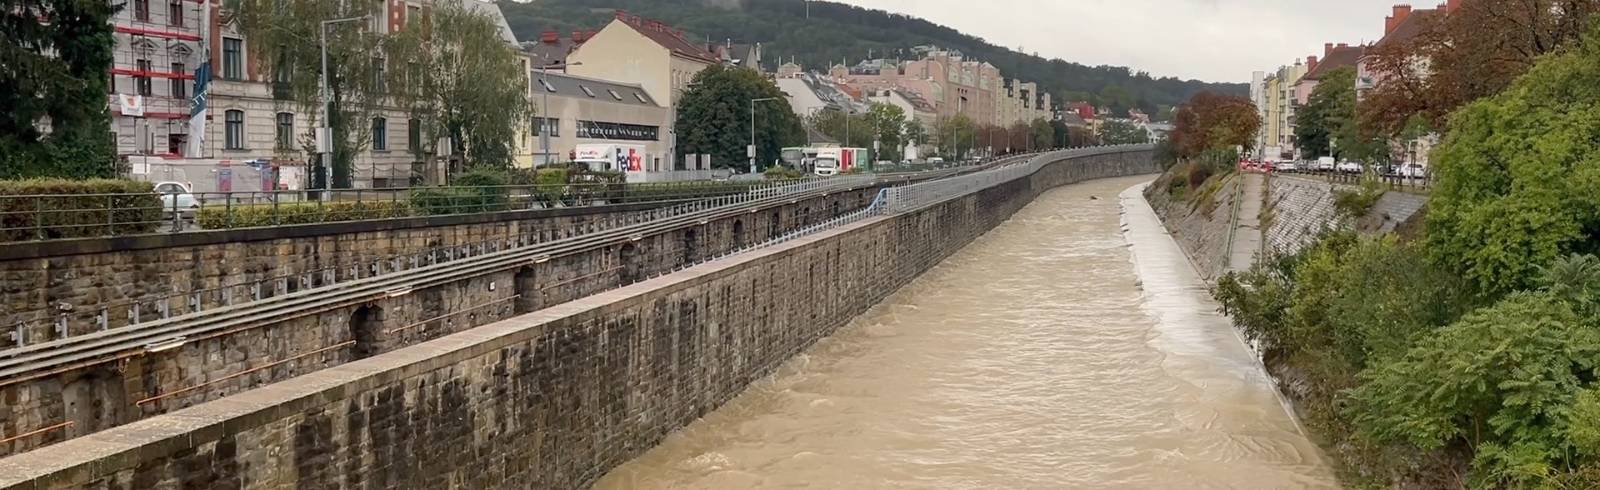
(366,328)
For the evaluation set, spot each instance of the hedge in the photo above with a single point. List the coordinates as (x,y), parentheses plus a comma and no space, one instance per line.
(299,213)
(60,208)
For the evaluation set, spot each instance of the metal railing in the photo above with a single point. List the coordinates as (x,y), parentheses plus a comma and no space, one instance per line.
(1391,181)
(161,307)
(916,196)
(58,216)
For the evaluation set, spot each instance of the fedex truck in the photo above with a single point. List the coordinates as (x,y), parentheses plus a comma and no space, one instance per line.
(612,158)
(834,161)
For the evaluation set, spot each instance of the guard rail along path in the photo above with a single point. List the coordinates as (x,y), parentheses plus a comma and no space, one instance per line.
(50,297)
(78,384)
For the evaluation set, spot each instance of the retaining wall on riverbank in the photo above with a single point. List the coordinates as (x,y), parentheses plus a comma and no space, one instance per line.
(1296,210)
(553,399)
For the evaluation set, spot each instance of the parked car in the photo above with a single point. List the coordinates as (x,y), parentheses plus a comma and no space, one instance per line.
(1325,164)
(1285,166)
(1349,167)
(177,198)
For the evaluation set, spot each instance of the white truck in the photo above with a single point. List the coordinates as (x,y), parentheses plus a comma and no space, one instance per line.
(612,158)
(834,161)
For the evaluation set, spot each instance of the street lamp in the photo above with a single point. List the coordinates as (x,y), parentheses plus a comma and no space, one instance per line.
(544,119)
(753,129)
(325,133)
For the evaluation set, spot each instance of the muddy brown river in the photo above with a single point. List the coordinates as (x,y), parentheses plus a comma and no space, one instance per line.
(1057,351)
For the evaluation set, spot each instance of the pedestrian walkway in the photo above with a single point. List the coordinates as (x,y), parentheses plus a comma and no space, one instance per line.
(1247,229)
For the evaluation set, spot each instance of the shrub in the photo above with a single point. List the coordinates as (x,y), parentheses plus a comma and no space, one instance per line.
(480,190)
(61,208)
(782,173)
(1357,203)
(299,213)
(1198,174)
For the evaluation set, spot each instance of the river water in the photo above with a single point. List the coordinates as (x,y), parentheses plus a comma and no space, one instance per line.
(1055,352)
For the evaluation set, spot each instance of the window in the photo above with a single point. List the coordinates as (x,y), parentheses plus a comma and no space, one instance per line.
(414,135)
(380,133)
(141,81)
(586,91)
(283,70)
(232,58)
(141,10)
(636,95)
(547,86)
(175,13)
(618,131)
(614,94)
(178,87)
(234,131)
(378,74)
(285,132)
(555,126)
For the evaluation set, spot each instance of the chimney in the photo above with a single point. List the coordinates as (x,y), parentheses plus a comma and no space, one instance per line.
(1311,63)
(1400,13)
(1327,50)
(1344,45)
(577,36)
(622,15)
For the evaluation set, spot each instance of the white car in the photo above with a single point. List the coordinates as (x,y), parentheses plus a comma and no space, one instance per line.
(1285,166)
(1325,165)
(1413,171)
(177,198)
(1350,167)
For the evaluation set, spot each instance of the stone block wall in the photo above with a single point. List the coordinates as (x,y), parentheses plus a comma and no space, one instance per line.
(1296,211)
(109,392)
(551,399)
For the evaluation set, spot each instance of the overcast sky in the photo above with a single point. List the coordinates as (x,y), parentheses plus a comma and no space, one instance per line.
(1212,40)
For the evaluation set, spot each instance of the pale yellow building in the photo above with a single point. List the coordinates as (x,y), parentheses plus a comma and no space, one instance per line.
(647,53)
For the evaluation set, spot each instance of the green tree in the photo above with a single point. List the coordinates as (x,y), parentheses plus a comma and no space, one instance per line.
(1041,134)
(916,133)
(1329,126)
(835,123)
(462,81)
(1502,381)
(714,118)
(956,136)
(1517,174)
(1122,132)
(283,41)
(890,123)
(55,71)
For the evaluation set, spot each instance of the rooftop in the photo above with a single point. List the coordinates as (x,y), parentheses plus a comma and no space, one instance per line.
(668,37)
(564,85)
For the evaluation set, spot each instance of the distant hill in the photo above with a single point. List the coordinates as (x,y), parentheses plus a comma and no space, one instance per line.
(837,32)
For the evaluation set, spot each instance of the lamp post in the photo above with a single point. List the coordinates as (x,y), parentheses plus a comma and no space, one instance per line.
(544,119)
(753,130)
(325,133)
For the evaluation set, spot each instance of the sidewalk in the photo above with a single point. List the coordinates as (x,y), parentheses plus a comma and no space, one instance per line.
(1247,234)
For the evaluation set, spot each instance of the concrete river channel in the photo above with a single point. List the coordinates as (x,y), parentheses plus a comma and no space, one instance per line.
(1071,347)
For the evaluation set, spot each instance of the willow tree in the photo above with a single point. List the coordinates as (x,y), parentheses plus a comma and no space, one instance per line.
(284,45)
(465,82)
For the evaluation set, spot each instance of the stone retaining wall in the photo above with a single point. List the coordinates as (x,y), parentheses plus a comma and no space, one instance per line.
(552,399)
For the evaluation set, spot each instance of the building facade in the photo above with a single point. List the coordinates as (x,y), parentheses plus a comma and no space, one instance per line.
(161,44)
(585,111)
(645,52)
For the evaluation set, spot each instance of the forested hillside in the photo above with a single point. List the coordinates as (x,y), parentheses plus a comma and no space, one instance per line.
(837,32)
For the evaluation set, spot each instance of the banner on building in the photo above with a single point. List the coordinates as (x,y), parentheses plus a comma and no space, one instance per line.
(131,105)
(197,109)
